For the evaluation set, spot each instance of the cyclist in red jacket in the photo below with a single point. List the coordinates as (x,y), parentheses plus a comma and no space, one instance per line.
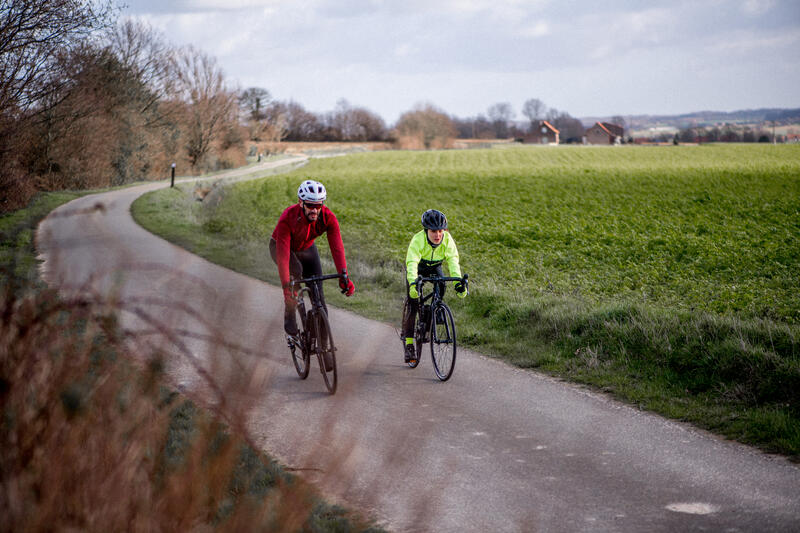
(293,250)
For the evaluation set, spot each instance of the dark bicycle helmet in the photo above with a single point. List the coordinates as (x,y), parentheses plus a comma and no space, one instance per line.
(433,219)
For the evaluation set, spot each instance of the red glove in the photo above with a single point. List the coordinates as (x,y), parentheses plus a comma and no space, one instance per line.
(347,287)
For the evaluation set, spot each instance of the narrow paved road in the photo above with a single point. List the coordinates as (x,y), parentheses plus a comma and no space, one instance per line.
(493,449)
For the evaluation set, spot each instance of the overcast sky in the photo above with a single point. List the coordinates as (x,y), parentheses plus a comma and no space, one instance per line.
(585,57)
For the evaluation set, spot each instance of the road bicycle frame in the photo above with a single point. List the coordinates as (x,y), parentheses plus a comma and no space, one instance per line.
(315,334)
(435,324)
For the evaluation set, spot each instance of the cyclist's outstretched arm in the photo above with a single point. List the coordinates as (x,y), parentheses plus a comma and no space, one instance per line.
(335,241)
(451,255)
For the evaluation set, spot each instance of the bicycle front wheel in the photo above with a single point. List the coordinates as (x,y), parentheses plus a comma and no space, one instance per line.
(326,351)
(443,341)
(300,354)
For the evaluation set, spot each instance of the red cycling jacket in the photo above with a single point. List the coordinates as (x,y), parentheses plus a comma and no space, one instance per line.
(295,233)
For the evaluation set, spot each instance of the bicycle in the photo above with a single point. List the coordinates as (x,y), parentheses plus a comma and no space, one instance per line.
(434,323)
(314,335)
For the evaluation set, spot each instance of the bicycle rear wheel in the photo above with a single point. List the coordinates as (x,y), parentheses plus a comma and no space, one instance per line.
(300,354)
(326,351)
(443,341)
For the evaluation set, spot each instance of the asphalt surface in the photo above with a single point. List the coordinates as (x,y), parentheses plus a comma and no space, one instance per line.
(493,449)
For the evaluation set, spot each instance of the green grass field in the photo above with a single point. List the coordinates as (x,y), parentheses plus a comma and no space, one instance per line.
(666,275)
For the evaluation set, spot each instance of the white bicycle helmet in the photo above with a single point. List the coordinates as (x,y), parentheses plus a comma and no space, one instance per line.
(312,191)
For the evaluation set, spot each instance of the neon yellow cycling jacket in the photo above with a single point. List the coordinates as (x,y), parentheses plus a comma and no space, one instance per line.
(421,251)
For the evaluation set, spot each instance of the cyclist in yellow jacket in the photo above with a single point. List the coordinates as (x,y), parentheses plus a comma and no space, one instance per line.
(427,251)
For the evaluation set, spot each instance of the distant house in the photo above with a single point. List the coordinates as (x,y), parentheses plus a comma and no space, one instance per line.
(604,133)
(542,133)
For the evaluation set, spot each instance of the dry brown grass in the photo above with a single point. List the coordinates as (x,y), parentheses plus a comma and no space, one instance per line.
(285,147)
(94,439)
(417,142)
(480,143)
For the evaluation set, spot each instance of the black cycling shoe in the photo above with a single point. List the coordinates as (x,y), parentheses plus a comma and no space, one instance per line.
(292,340)
(410,353)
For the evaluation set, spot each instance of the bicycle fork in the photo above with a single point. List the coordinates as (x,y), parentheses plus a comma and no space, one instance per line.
(297,340)
(423,323)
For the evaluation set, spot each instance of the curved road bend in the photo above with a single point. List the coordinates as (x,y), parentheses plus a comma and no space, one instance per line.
(493,449)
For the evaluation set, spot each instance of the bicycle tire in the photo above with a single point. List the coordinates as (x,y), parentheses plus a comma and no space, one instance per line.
(301,360)
(443,341)
(325,346)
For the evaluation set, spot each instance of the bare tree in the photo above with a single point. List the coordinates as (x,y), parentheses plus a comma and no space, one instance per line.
(371,126)
(533,109)
(207,101)
(254,102)
(572,129)
(350,123)
(276,122)
(500,114)
(34,36)
(425,126)
(146,122)
(341,125)
(300,124)
(474,128)
(147,56)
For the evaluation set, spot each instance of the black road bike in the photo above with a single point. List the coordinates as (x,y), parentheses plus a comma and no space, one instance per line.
(434,323)
(314,336)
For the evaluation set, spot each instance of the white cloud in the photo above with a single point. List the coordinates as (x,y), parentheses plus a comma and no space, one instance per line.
(539,29)
(601,51)
(757,7)
(230,5)
(762,42)
(403,50)
(649,26)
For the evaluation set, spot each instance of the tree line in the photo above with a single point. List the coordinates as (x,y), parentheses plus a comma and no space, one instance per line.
(498,122)
(425,125)
(89,101)
(727,133)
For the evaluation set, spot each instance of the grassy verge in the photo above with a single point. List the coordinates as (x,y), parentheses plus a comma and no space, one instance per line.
(666,276)
(16,245)
(93,439)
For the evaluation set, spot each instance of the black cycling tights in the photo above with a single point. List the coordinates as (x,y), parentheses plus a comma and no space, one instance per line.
(302,264)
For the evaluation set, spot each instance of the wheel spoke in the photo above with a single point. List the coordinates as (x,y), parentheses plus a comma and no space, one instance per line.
(326,351)
(300,354)
(443,341)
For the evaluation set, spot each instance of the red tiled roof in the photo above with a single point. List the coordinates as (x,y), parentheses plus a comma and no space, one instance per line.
(603,127)
(612,129)
(550,126)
